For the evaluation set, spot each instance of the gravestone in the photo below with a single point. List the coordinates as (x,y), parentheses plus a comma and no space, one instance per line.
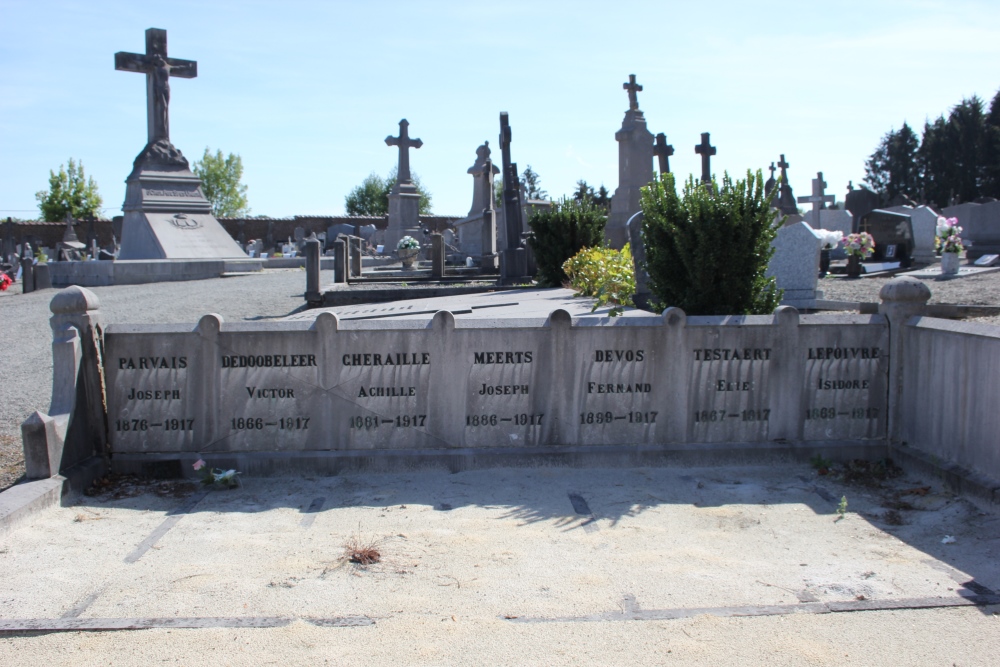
(706,150)
(481,197)
(924,222)
(471,228)
(513,258)
(770,184)
(662,150)
(70,249)
(642,294)
(166,213)
(635,167)
(818,198)
(860,202)
(786,198)
(834,220)
(300,236)
(795,264)
(893,234)
(489,260)
(404,200)
(980,227)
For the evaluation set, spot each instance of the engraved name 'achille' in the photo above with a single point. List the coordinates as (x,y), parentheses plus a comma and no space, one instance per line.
(268,360)
(844,353)
(390,359)
(735,354)
(153,394)
(386,392)
(151,363)
(503,357)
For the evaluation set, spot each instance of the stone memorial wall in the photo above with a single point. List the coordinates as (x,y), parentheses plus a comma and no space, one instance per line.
(366,385)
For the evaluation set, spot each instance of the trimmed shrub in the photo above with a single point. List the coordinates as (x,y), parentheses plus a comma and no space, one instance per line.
(707,253)
(603,273)
(562,232)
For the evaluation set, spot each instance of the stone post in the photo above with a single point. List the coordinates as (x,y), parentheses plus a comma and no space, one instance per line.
(340,261)
(902,299)
(437,255)
(642,293)
(356,245)
(313,294)
(75,427)
(43,277)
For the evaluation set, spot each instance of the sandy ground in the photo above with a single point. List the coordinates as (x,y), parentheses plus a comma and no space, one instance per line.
(505,567)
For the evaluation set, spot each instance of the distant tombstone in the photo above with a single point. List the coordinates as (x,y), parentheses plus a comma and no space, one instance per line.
(300,235)
(980,227)
(819,199)
(635,167)
(795,264)
(834,220)
(7,248)
(642,293)
(513,259)
(860,202)
(662,150)
(706,150)
(269,239)
(893,234)
(479,195)
(786,198)
(924,222)
(404,200)
(241,238)
(70,249)
(771,182)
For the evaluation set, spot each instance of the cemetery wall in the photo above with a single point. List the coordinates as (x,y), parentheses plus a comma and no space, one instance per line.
(949,404)
(284,228)
(48,234)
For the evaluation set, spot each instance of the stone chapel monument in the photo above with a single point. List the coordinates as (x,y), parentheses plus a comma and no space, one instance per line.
(635,167)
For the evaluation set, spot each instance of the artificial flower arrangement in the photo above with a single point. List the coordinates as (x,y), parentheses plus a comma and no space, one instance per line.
(227,479)
(860,245)
(407,243)
(829,238)
(947,238)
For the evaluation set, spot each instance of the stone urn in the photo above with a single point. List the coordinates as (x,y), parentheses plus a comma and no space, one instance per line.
(853,266)
(949,263)
(407,256)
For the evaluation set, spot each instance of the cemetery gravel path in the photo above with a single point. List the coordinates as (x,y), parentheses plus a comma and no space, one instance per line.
(26,360)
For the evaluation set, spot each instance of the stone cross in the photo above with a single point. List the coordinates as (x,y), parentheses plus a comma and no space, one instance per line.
(706,151)
(663,151)
(511,188)
(772,169)
(817,198)
(632,87)
(488,184)
(158,69)
(404,142)
(784,169)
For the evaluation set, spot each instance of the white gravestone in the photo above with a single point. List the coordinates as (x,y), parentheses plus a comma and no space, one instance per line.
(795,264)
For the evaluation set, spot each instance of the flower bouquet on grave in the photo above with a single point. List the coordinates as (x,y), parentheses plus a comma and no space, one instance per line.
(407,250)
(948,241)
(226,479)
(860,245)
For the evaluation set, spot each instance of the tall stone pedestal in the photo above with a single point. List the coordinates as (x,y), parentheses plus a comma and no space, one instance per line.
(635,169)
(404,216)
(166,213)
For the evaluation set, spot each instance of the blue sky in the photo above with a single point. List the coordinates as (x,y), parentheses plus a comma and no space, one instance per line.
(306,92)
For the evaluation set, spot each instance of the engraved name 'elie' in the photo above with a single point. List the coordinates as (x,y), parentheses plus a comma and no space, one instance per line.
(151,363)
(735,354)
(389,359)
(503,357)
(153,394)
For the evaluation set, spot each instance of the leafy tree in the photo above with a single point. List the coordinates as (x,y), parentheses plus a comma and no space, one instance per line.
(562,232)
(70,191)
(532,184)
(893,168)
(220,181)
(372,196)
(599,198)
(707,253)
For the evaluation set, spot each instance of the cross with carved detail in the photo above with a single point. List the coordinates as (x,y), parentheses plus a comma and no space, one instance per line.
(632,87)
(404,142)
(706,151)
(784,169)
(158,69)
(817,198)
(663,151)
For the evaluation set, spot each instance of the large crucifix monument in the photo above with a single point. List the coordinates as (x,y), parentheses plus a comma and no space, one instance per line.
(404,200)
(166,213)
(635,167)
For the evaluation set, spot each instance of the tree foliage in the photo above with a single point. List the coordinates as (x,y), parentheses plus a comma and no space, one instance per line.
(70,191)
(707,253)
(562,232)
(599,198)
(532,183)
(372,196)
(220,181)
(956,159)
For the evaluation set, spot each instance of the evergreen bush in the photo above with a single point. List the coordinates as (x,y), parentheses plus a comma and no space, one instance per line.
(562,232)
(605,274)
(707,253)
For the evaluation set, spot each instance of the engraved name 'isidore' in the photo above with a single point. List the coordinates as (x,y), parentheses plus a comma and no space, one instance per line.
(844,353)
(503,357)
(268,360)
(151,363)
(735,354)
(153,394)
(828,384)
(606,388)
(389,359)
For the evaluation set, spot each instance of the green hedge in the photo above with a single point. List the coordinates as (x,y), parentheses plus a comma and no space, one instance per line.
(562,232)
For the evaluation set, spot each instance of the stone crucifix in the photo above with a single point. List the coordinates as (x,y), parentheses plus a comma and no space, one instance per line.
(706,150)
(662,150)
(404,142)
(818,199)
(633,88)
(158,69)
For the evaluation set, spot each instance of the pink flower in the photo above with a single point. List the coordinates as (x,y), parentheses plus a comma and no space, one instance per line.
(199,464)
